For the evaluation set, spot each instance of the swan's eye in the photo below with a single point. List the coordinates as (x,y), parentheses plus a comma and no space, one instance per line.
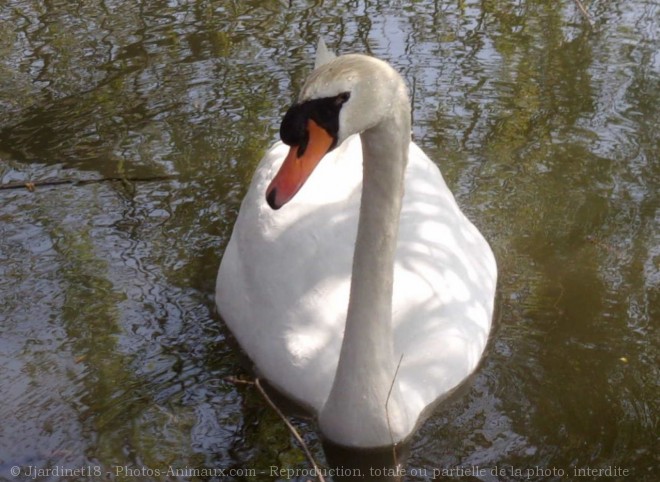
(323,111)
(342,98)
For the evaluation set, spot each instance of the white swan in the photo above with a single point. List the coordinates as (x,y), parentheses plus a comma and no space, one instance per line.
(372,262)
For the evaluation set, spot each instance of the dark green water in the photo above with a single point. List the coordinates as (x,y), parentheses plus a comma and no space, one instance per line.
(545,124)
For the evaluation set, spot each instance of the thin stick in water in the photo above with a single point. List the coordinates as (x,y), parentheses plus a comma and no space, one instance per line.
(387,413)
(292,429)
(584,12)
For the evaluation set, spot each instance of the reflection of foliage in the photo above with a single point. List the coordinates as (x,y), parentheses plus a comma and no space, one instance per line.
(114,79)
(545,127)
(91,318)
(16,91)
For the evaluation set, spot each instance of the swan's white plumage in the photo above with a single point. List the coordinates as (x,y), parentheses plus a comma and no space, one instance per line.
(283,285)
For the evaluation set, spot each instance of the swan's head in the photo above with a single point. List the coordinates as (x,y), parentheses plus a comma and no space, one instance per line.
(345,96)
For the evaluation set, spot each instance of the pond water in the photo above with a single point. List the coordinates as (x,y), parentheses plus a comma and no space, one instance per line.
(543,119)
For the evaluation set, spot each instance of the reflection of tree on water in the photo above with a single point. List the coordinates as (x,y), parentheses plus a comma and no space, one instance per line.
(544,126)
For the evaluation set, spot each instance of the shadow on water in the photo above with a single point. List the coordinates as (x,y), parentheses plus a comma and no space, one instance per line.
(350,465)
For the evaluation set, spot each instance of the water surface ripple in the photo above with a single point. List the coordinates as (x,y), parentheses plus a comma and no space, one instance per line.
(543,121)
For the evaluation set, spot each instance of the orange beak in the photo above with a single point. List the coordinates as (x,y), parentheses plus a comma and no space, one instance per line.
(296,169)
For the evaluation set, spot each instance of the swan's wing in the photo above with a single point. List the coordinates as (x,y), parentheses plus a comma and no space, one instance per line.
(444,285)
(285,275)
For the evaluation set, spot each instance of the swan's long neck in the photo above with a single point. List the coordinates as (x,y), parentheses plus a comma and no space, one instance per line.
(364,405)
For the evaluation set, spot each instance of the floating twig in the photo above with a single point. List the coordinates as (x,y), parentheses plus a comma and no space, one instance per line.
(31,185)
(584,12)
(292,429)
(238,381)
